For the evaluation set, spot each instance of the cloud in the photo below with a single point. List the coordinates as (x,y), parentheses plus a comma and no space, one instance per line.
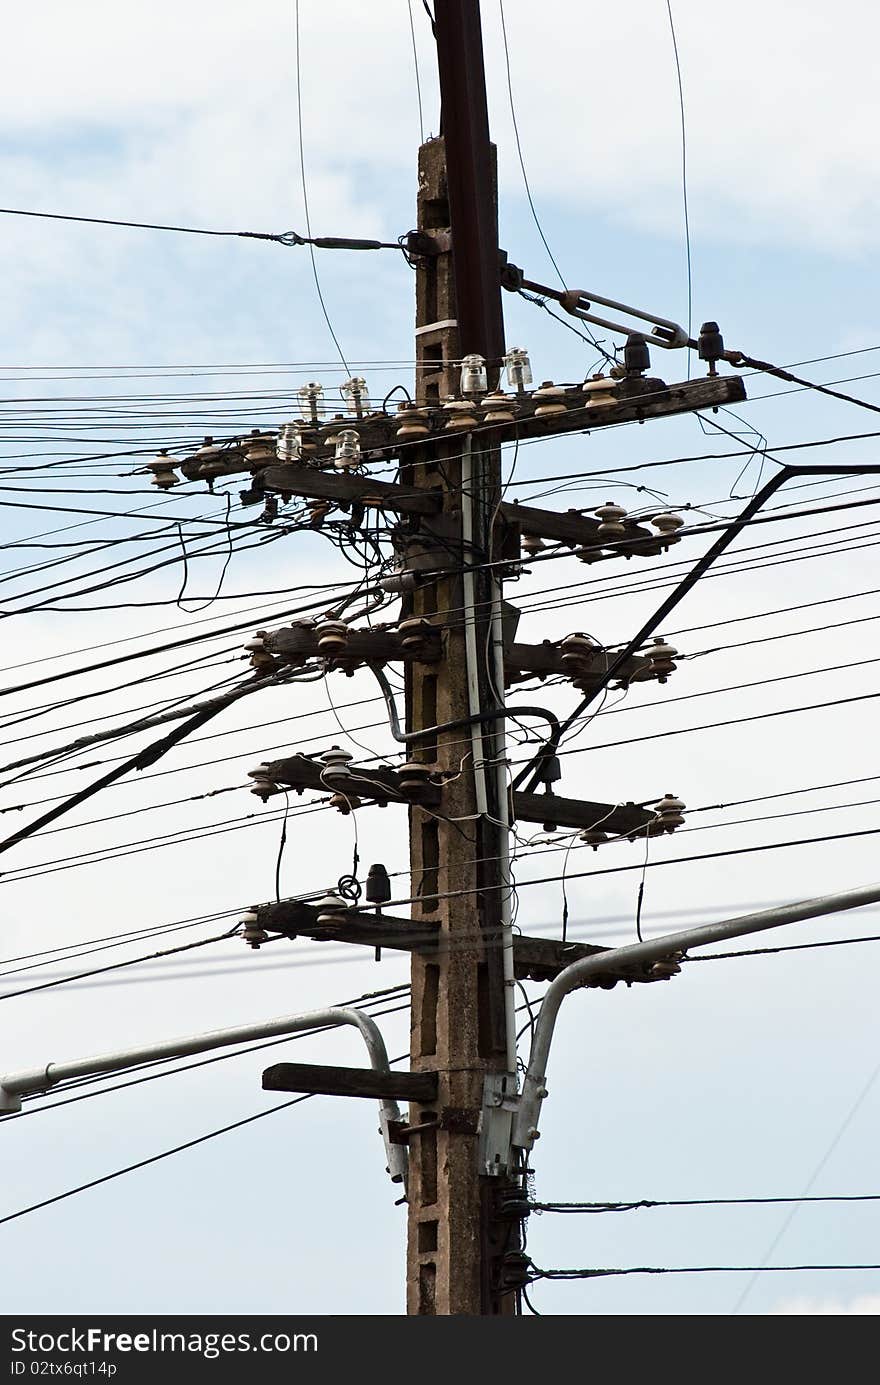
(195,107)
(864,1305)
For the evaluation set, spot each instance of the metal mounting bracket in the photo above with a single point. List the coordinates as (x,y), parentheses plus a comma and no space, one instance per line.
(500,1105)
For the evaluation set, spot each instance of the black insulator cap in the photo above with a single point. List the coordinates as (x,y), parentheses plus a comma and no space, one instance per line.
(636,356)
(711,342)
(550,769)
(515,1266)
(378,885)
(515,1208)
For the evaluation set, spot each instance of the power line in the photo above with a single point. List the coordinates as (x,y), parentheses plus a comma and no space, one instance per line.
(341,953)
(173,644)
(84,947)
(415,53)
(566,751)
(536,1274)
(148,371)
(684,178)
(153,1159)
(768,368)
(141,760)
(148,634)
(789,947)
(128,962)
(717,725)
(305,190)
(651,865)
(644,1203)
(287,238)
(525,177)
(811,1181)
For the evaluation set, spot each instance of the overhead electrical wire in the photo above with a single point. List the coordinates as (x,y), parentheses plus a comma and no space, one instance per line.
(141,760)
(287,238)
(148,371)
(535,1273)
(304,182)
(337,953)
(415,53)
(786,947)
(652,865)
(224,658)
(173,644)
(236,823)
(173,546)
(153,1159)
(674,633)
(86,946)
(604,745)
(730,721)
(640,1204)
(684,173)
(127,962)
(263,614)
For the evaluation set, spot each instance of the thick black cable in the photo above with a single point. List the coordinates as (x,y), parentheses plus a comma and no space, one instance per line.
(73,951)
(644,1203)
(142,760)
(740,359)
(171,644)
(731,721)
(342,954)
(536,1274)
(287,238)
(652,865)
(605,745)
(116,966)
(532,771)
(124,578)
(656,619)
(153,1159)
(787,947)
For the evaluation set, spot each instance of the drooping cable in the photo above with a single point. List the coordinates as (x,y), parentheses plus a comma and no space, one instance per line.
(287,238)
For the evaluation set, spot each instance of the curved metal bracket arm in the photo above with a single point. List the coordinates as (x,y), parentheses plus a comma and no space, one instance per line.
(578,302)
(663,332)
(32,1080)
(525,1126)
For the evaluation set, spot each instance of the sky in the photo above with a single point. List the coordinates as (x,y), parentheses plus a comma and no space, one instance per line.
(747,1078)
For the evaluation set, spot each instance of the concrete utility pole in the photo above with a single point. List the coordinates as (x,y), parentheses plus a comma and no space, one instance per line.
(458,1011)
(452,533)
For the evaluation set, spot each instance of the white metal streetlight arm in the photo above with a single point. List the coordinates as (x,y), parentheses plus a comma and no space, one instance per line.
(525,1125)
(15,1085)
